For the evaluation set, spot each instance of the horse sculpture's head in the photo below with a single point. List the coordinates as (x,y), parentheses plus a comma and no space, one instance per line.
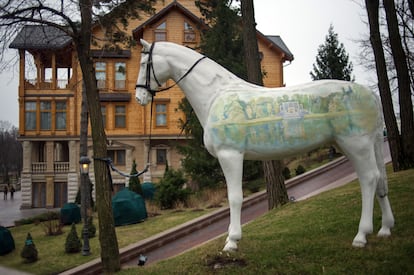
(153,73)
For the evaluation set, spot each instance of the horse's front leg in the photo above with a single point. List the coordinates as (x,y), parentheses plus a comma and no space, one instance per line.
(232,164)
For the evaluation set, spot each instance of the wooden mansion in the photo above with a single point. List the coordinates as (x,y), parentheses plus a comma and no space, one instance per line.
(50,93)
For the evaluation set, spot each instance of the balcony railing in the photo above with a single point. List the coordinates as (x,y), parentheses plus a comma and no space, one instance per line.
(38,167)
(58,167)
(61,167)
(60,83)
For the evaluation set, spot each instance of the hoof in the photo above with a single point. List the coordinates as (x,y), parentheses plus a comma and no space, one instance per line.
(384,232)
(358,244)
(230,246)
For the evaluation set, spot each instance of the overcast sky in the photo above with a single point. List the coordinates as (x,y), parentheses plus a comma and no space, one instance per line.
(302,24)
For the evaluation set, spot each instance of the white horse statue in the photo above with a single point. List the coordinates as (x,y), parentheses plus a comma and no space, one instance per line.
(245,121)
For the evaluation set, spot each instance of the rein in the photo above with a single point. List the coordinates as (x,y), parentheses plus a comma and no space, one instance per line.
(150,68)
(147,86)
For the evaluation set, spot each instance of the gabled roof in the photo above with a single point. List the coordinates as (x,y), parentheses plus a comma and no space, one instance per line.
(276,41)
(39,37)
(137,33)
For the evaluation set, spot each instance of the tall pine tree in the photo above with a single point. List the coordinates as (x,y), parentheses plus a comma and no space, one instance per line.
(332,61)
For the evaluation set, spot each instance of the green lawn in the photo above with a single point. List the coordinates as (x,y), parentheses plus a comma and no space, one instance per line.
(311,237)
(51,250)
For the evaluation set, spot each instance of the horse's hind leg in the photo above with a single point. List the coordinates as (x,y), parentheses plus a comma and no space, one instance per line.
(231,163)
(360,151)
(382,191)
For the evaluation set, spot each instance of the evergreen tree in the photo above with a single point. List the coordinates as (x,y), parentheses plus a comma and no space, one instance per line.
(332,61)
(134,184)
(73,243)
(223,43)
(29,252)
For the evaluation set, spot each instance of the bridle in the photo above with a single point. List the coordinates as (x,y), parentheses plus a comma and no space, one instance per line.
(150,69)
(147,86)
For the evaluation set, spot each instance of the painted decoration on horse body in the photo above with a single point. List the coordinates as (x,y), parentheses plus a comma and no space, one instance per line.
(266,120)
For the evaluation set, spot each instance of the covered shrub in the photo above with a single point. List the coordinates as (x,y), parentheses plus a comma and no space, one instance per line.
(6,241)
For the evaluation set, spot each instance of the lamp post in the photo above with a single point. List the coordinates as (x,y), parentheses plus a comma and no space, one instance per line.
(84,174)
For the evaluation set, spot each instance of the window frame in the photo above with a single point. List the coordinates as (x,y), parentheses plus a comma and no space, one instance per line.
(32,113)
(161,29)
(158,156)
(105,71)
(37,112)
(120,115)
(104,115)
(125,73)
(189,31)
(161,113)
(60,111)
(118,156)
(45,121)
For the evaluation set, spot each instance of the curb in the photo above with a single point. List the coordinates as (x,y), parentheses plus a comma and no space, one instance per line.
(134,250)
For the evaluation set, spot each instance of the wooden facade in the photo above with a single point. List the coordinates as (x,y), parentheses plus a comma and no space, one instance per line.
(50,104)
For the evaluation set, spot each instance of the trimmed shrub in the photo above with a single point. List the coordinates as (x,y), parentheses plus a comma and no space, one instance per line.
(300,170)
(286,173)
(170,189)
(73,243)
(91,228)
(29,252)
(134,184)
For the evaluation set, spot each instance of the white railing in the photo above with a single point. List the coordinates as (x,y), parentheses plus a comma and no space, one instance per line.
(38,167)
(58,167)
(61,167)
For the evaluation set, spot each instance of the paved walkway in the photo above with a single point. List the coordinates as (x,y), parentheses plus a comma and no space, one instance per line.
(10,210)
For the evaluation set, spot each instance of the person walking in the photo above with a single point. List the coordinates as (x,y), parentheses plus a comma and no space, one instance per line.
(12,190)
(5,190)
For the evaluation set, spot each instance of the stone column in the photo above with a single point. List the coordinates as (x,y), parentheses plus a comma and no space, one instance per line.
(26,177)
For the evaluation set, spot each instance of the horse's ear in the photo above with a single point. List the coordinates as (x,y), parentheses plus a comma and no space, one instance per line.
(145,44)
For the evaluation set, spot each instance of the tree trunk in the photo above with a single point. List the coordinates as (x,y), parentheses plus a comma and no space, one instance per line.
(404,89)
(275,183)
(276,192)
(107,235)
(372,7)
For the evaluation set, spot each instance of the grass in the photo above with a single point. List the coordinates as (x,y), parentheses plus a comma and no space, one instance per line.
(310,237)
(51,249)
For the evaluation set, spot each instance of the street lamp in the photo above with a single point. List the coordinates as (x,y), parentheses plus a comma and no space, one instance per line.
(84,173)
(84,165)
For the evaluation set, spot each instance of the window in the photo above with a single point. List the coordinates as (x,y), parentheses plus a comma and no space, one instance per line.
(30,115)
(161,32)
(60,122)
(120,75)
(161,114)
(45,115)
(161,156)
(189,33)
(103,111)
(117,156)
(100,72)
(120,116)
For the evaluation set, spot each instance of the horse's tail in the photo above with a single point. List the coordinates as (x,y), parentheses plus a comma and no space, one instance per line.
(382,188)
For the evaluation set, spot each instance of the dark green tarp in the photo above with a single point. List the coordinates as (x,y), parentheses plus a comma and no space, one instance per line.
(128,207)
(70,213)
(148,190)
(6,241)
